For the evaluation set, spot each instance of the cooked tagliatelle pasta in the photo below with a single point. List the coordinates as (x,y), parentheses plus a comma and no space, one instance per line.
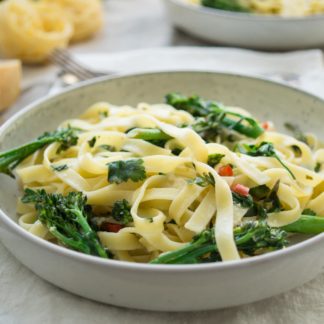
(188,181)
(269,7)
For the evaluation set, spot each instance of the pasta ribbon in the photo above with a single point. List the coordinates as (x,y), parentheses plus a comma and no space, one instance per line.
(181,189)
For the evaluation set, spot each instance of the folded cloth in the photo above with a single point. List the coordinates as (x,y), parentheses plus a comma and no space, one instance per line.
(207,58)
(286,67)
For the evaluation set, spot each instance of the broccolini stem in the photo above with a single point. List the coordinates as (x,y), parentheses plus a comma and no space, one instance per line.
(215,115)
(249,238)
(88,232)
(73,244)
(10,159)
(193,256)
(306,225)
(254,130)
(148,134)
(228,5)
(179,255)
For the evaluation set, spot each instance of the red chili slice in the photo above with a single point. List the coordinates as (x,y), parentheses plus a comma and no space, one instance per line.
(110,227)
(240,189)
(266,125)
(226,171)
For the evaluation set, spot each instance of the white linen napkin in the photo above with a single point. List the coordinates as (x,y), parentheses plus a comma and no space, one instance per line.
(289,67)
(207,58)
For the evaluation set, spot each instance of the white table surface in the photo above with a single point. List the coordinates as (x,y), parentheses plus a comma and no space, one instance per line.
(25,298)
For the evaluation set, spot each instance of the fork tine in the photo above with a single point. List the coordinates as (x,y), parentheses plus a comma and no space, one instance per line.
(67,64)
(66,56)
(62,58)
(68,68)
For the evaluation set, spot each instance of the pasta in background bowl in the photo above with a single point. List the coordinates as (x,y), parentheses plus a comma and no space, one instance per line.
(262,24)
(162,286)
(284,8)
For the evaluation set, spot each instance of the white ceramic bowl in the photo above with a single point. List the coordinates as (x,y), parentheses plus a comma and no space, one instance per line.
(247,30)
(162,287)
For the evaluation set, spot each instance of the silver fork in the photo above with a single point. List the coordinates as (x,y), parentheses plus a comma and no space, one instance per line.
(72,70)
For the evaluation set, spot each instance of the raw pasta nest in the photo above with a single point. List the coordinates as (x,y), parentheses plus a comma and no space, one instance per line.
(86,16)
(30,31)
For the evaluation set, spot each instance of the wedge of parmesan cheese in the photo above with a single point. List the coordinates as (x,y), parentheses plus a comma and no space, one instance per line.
(10,79)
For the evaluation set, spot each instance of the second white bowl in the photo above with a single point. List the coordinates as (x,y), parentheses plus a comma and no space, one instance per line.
(247,30)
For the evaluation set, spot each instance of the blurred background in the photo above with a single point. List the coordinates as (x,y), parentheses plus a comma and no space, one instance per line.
(195,34)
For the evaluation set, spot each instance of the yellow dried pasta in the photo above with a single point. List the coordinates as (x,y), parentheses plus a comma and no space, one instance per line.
(86,16)
(30,31)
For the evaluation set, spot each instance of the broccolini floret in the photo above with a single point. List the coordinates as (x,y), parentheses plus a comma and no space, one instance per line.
(212,119)
(66,218)
(250,238)
(121,212)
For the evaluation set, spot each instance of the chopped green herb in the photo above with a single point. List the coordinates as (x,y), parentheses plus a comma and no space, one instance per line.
(214,159)
(318,167)
(103,114)
(259,192)
(206,179)
(243,201)
(109,148)
(92,142)
(177,151)
(122,171)
(59,168)
(121,212)
(309,212)
(297,150)
(264,201)
(297,132)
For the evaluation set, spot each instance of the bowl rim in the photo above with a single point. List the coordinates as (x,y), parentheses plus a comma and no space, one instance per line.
(124,265)
(244,15)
